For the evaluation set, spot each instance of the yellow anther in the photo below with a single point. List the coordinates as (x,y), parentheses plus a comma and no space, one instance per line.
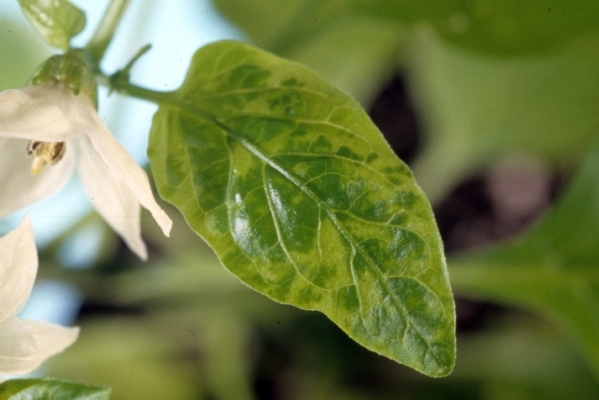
(45,153)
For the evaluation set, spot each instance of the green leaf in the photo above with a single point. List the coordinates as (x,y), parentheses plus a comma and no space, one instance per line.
(51,389)
(553,269)
(356,55)
(21,51)
(501,27)
(134,356)
(505,27)
(477,108)
(277,26)
(57,21)
(300,196)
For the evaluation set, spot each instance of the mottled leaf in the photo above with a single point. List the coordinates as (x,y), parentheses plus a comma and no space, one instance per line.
(51,389)
(57,21)
(299,195)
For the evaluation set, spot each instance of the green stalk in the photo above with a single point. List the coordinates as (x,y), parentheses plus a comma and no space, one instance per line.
(106,28)
(119,82)
(160,98)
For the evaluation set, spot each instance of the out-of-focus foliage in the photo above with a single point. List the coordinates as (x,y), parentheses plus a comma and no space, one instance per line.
(131,356)
(183,331)
(354,51)
(179,304)
(502,27)
(495,27)
(20,53)
(552,269)
(478,109)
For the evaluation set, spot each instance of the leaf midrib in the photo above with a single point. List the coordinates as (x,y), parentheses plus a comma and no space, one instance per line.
(196,112)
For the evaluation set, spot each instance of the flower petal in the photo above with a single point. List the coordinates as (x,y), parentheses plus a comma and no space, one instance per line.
(41,113)
(19,187)
(123,167)
(18,267)
(24,344)
(114,200)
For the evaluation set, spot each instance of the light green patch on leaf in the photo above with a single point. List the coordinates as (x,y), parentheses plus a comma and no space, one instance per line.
(553,269)
(57,21)
(51,389)
(301,198)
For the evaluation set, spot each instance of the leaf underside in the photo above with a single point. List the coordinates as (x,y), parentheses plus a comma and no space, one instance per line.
(301,198)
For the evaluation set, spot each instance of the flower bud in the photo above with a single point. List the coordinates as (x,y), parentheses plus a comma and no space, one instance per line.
(72,70)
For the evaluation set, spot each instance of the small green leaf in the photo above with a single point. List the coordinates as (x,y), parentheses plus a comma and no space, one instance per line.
(51,389)
(300,196)
(553,269)
(57,21)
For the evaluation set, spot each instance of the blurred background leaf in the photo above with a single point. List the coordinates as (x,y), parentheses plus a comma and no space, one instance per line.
(20,54)
(477,109)
(553,269)
(501,27)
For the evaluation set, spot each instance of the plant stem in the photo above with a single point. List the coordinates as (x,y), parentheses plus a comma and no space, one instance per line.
(161,98)
(106,28)
(129,89)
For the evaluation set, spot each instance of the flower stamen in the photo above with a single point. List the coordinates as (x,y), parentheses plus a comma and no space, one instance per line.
(44,153)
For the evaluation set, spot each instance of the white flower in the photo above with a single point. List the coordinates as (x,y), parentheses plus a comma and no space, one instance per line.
(52,114)
(24,344)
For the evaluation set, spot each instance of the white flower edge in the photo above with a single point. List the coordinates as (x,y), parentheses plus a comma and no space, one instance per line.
(116,185)
(24,344)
